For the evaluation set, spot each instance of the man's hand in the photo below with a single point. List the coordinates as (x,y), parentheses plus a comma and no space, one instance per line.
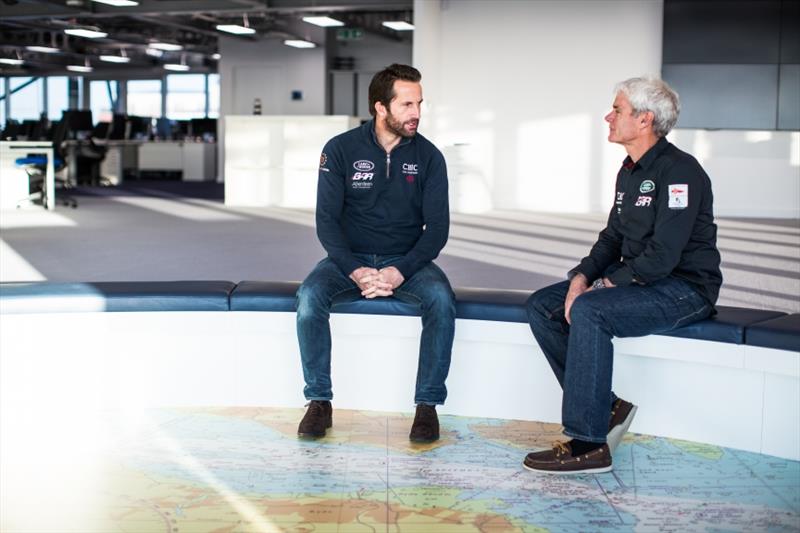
(384,283)
(363,276)
(577,286)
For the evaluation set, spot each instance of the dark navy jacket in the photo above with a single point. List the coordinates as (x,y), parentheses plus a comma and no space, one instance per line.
(662,224)
(371,202)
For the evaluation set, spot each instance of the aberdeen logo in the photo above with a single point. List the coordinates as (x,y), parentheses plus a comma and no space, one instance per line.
(363,165)
(647,186)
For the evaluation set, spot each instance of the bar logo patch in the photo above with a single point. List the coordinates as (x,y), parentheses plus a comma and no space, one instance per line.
(679,196)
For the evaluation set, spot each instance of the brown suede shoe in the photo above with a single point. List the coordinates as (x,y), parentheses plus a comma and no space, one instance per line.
(426,424)
(559,460)
(622,414)
(317,420)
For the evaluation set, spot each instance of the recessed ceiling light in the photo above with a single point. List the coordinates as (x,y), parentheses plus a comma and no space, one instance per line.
(216,56)
(153,52)
(324,22)
(79,68)
(176,67)
(43,49)
(235,29)
(295,43)
(115,59)
(86,32)
(117,3)
(167,47)
(9,61)
(398,25)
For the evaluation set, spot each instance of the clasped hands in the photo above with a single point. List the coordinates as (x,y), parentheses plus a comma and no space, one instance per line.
(578,286)
(374,282)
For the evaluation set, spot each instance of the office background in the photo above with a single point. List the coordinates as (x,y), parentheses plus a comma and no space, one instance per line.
(514,96)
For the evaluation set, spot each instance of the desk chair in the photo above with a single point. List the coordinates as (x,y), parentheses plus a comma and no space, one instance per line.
(36,168)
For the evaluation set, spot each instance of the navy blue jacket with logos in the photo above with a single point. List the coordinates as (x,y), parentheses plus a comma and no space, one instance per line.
(662,224)
(371,202)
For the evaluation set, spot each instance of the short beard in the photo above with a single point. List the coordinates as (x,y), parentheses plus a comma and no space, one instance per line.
(397,128)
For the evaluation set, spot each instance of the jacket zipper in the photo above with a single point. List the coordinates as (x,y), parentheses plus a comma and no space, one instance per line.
(388,162)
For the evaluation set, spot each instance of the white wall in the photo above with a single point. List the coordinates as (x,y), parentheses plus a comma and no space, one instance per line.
(516,97)
(269,70)
(525,86)
(754,173)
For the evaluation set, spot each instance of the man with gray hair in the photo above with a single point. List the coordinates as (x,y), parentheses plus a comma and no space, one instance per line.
(654,267)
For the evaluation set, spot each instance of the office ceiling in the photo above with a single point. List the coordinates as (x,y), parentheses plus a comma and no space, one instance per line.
(189,23)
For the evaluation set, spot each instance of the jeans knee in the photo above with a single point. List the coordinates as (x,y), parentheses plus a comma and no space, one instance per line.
(439,298)
(536,308)
(584,311)
(308,302)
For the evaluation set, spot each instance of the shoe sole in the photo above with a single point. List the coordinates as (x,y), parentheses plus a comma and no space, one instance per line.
(424,441)
(598,470)
(614,437)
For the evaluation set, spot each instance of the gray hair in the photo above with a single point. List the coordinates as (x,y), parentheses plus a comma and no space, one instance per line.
(652,94)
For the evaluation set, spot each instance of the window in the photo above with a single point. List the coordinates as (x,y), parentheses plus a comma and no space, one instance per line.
(102,97)
(213,95)
(186,96)
(2,103)
(144,98)
(57,96)
(26,104)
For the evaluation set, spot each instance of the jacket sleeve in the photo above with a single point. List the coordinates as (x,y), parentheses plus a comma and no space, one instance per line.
(435,216)
(677,204)
(605,252)
(330,204)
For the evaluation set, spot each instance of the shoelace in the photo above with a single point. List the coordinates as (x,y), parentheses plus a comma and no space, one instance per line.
(561,448)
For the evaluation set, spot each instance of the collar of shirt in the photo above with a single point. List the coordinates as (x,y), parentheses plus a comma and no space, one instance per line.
(371,127)
(649,156)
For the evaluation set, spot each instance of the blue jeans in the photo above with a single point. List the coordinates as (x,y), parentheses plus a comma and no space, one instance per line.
(327,285)
(582,356)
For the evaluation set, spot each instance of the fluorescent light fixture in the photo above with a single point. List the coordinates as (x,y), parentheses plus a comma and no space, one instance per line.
(176,67)
(153,52)
(216,57)
(294,43)
(43,49)
(235,29)
(115,59)
(325,22)
(86,32)
(117,3)
(167,47)
(79,68)
(399,25)
(9,61)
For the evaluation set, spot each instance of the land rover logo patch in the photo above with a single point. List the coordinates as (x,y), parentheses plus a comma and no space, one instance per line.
(647,186)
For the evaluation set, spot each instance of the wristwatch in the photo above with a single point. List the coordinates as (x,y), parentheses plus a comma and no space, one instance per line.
(598,284)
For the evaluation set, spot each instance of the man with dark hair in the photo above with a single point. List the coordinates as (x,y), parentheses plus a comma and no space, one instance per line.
(655,267)
(382,217)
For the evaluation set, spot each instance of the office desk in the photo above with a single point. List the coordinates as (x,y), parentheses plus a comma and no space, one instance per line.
(196,161)
(14,181)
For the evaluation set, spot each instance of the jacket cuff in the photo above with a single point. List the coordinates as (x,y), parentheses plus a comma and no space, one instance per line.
(347,264)
(622,277)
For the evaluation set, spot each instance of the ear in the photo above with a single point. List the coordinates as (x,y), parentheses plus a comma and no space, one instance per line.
(380,109)
(646,119)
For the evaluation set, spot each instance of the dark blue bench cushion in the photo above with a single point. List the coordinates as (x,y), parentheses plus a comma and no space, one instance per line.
(492,304)
(782,333)
(728,325)
(280,296)
(478,304)
(44,297)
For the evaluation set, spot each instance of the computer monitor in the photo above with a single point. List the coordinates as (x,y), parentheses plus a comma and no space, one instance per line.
(182,129)
(139,127)
(78,123)
(118,128)
(165,129)
(205,128)
(11,130)
(101,130)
